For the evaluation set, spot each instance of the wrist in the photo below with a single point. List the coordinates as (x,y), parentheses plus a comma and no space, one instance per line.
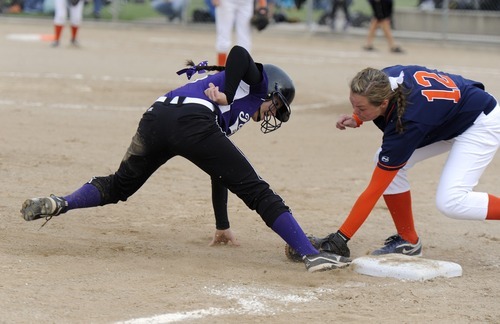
(358,121)
(222,226)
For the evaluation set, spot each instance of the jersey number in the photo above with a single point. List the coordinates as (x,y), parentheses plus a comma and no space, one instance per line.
(422,78)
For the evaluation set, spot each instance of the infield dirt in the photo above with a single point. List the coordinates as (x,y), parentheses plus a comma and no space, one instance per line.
(69,113)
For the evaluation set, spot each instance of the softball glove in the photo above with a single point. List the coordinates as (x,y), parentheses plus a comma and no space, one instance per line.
(260,20)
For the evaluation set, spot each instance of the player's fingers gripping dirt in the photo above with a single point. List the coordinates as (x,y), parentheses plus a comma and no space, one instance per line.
(223,237)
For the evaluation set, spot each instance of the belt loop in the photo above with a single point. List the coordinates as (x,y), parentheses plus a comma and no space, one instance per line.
(180,101)
(164,100)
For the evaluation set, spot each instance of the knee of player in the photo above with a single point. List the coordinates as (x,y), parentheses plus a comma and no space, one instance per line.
(105,185)
(450,205)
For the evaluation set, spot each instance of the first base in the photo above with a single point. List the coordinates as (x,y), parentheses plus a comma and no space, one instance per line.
(405,267)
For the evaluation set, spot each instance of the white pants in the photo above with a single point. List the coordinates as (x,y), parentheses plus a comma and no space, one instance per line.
(470,154)
(61,12)
(237,14)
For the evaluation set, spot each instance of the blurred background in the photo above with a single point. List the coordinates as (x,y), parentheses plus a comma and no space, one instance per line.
(470,20)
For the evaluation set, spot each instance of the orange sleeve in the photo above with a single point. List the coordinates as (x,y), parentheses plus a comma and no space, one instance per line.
(359,122)
(366,201)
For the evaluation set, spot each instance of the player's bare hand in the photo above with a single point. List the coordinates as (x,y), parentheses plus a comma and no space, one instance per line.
(224,237)
(213,93)
(346,121)
(215,3)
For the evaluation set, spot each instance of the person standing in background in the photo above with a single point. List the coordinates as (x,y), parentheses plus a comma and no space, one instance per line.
(382,15)
(344,5)
(61,7)
(172,9)
(96,11)
(235,14)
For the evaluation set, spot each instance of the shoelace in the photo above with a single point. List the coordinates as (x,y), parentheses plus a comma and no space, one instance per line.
(390,242)
(58,210)
(47,218)
(391,239)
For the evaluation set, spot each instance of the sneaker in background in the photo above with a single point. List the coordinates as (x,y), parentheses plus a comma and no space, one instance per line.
(396,244)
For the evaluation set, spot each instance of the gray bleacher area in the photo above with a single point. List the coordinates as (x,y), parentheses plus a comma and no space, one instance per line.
(461,20)
(472,20)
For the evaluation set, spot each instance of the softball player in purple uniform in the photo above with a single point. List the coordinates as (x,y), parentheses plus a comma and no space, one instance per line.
(422,113)
(194,121)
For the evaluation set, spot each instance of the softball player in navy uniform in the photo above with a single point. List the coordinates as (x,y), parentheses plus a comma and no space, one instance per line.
(194,121)
(422,113)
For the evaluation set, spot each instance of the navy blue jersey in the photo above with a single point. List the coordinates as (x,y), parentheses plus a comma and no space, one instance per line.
(247,99)
(440,106)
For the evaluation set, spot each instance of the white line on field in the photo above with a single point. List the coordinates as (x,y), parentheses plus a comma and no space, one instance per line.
(176,317)
(20,104)
(24,37)
(33,75)
(249,301)
(82,77)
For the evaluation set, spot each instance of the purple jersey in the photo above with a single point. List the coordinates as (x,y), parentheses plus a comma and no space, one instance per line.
(440,106)
(232,117)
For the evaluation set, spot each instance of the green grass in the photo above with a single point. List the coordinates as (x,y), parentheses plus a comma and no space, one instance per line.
(130,11)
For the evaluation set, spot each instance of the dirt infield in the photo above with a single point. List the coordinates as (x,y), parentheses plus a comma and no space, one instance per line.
(68,114)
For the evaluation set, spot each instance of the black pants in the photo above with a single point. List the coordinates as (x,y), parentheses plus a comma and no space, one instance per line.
(344,5)
(188,130)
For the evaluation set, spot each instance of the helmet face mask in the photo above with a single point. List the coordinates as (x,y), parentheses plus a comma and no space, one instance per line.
(281,92)
(272,121)
(284,111)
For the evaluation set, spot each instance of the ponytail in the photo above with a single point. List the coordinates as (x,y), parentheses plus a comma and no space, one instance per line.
(199,68)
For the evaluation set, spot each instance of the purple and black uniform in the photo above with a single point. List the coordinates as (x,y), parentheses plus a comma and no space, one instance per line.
(246,99)
(184,122)
(428,118)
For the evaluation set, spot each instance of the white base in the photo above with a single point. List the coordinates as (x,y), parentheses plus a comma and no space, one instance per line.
(405,267)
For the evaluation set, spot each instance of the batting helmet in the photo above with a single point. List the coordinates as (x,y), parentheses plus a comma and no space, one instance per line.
(280,84)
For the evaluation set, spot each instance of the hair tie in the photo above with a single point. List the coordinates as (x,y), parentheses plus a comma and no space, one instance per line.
(190,71)
(395,82)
